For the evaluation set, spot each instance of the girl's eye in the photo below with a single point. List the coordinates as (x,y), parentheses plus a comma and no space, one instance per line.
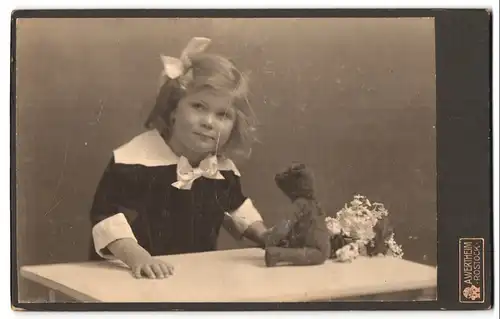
(225,116)
(198,106)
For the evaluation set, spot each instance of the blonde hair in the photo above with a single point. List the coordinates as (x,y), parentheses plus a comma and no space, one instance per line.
(210,71)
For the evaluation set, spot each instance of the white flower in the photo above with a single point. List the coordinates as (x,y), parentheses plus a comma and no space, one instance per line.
(359,197)
(356,203)
(357,220)
(394,250)
(348,253)
(333,226)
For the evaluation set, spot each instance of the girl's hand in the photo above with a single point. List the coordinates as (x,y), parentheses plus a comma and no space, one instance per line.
(139,260)
(152,268)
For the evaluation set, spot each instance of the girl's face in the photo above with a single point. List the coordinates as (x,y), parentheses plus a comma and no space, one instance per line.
(203,122)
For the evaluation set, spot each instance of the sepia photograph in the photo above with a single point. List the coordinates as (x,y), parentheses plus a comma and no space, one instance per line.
(216,160)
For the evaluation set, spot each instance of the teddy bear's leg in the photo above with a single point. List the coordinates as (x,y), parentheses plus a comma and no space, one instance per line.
(295,256)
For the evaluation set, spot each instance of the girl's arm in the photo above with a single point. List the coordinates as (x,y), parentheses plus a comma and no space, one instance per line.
(242,218)
(246,222)
(113,238)
(254,228)
(111,231)
(254,232)
(263,236)
(257,232)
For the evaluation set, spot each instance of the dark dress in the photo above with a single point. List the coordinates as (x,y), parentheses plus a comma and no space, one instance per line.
(164,219)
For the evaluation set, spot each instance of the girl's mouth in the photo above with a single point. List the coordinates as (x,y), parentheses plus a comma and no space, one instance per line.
(204,136)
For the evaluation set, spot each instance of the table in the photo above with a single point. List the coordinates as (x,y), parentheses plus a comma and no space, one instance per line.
(238,275)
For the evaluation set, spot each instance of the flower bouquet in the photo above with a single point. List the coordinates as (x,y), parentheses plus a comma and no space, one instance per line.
(361,228)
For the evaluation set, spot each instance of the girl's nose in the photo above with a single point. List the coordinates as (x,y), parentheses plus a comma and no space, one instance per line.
(208,121)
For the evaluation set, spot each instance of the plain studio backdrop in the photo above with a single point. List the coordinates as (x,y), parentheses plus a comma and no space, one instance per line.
(352,98)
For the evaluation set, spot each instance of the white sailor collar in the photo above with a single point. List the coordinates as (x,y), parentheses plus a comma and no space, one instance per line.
(149,149)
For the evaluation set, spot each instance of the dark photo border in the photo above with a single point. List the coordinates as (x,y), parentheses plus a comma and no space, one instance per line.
(464,151)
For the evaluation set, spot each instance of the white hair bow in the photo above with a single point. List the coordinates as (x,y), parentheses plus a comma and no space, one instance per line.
(180,68)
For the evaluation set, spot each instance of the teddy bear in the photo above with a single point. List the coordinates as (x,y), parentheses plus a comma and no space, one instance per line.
(303,238)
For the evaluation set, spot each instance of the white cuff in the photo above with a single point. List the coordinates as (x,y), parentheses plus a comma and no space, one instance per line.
(245,216)
(108,230)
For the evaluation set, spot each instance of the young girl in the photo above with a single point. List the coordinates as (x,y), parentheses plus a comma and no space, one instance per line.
(171,188)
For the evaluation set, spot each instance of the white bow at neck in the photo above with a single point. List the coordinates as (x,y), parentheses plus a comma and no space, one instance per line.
(186,174)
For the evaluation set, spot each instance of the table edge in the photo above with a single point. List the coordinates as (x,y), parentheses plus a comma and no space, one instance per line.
(50,284)
(29,272)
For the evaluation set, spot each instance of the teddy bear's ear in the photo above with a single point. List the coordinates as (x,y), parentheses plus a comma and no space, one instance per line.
(297,166)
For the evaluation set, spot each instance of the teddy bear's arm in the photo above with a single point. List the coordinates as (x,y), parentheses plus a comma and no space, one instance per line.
(283,230)
(279,232)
